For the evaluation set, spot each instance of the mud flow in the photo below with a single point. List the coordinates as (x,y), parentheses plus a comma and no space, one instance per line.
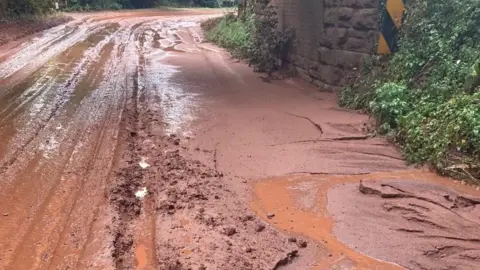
(411,219)
(129,142)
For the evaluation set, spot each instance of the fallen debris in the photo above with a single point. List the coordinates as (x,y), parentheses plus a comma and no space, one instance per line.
(352,138)
(229,231)
(412,223)
(286,260)
(141,193)
(308,119)
(143,163)
(302,243)
(259,227)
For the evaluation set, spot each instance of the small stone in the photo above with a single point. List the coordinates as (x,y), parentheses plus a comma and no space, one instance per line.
(330,255)
(302,243)
(248,217)
(292,239)
(229,231)
(259,227)
(5,214)
(202,267)
(248,249)
(270,215)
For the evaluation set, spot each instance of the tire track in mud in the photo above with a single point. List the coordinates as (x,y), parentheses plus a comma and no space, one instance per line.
(50,45)
(60,92)
(71,186)
(98,165)
(75,138)
(135,225)
(128,178)
(189,218)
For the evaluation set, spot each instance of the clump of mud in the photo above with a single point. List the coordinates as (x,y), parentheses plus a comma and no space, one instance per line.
(417,225)
(201,223)
(199,220)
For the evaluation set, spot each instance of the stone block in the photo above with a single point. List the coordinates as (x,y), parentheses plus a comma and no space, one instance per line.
(340,16)
(352,3)
(366,34)
(329,74)
(359,45)
(340,58)
(333,37)
(304,74)
(325,87)
(366,19)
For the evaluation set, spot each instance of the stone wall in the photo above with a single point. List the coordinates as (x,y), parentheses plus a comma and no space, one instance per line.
(332,37)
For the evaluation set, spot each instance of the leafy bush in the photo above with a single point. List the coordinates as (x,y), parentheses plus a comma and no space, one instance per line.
(390,102)
(21,8)
(232,34)
(438,131)
(86,5)
(426,91)
(253,36)
(189,3)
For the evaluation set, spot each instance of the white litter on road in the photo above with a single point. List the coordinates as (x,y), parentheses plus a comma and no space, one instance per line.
(143,163)
(141,193)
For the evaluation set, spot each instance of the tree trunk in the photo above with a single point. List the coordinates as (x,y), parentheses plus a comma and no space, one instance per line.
(242,6)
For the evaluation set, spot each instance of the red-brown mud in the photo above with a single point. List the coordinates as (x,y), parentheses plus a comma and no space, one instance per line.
(415,219)
(127,142)
(415,224)
(16,30)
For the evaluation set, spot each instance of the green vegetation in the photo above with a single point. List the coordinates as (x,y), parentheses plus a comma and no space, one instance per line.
(230,33)
(426,95)
(85,5)
(253,35)
(27,8)
(24,8)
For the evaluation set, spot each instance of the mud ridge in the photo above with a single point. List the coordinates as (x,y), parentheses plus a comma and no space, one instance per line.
(436,227)
(127,182)
(317,126)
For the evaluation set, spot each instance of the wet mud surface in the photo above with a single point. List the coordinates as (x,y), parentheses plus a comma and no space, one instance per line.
(14,31)
(127,142)
(436,227)
(413,219)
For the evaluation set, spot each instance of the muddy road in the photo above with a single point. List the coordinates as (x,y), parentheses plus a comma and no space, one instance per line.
(127,142)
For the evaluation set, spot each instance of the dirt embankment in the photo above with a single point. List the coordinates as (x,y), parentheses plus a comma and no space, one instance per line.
(12,31)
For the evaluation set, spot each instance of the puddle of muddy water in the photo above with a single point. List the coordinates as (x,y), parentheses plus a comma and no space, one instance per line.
(141,257)
(299,203)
